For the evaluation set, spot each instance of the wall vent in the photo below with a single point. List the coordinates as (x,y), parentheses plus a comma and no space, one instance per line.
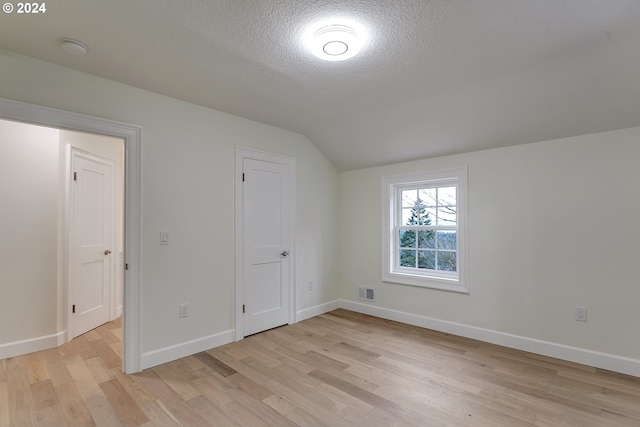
(366,294)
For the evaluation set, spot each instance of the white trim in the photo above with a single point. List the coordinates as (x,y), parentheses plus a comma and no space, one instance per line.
(583,356)
(316,310)
(242,153)
(168,354)
(132,135)
(187,348)
(18,348)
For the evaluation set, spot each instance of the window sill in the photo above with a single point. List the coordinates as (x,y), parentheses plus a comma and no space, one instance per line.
(440,283)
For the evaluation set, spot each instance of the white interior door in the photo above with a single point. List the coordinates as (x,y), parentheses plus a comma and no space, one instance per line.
(266,220)
(93,237)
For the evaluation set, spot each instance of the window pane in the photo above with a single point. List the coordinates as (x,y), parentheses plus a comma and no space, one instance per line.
(409,198)
(428,196)
(429,217)
(447,240)
(426,239)
(447,215)
(447,196)
(407,239)
(406,216)
(417,214)
(447,261)
(427,259)
(407,258)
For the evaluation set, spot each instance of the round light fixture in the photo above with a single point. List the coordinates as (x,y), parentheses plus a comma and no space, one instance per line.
(335,43)
(74,46)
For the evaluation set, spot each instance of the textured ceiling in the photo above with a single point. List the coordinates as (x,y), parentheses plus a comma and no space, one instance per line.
(434,77)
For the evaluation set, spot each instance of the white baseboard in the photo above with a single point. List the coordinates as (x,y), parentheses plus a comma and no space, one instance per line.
(31,345)
(153,358)
(167,354)
(164,355)
(596,359)
(316,310)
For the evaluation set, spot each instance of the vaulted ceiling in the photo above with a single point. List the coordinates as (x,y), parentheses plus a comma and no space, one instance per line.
(434,77)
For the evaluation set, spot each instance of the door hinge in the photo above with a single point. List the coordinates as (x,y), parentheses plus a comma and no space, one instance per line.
(73,308)
(242,176)
(75,176)
(243,308)
(126,266)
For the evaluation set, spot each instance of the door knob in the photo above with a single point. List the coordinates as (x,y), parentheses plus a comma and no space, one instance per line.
(284,254)
(107,251)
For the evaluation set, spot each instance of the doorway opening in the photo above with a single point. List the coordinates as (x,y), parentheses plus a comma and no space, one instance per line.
(63,121)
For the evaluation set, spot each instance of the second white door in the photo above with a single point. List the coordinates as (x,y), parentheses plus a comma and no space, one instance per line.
(92,241)
(266,220)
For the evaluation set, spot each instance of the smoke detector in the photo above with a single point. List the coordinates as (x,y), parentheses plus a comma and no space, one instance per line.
(74,46)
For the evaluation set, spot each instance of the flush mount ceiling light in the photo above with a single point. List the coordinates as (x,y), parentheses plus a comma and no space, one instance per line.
(335,43)
(74,46)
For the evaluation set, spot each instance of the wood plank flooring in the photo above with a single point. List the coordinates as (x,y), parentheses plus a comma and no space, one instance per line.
(337,369)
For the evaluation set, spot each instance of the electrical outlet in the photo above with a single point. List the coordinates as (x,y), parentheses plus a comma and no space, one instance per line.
(581,314)
(184,310)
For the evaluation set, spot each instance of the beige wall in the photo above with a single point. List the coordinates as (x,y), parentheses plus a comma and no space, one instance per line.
(552,225)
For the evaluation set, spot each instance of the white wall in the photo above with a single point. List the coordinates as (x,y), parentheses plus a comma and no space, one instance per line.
(188,190)
(552,225)
(28,226)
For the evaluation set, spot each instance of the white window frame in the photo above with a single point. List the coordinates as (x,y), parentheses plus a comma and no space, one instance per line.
(391,271)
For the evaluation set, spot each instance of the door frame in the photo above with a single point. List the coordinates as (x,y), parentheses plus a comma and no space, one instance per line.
(243,153)
(132,135)
(115,242)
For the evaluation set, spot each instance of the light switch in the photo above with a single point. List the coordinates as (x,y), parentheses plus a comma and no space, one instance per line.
(164,238)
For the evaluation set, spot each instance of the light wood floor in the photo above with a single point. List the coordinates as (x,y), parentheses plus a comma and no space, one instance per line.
(338,369)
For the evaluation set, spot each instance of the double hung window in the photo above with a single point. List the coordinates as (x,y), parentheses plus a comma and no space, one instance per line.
(425,229)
